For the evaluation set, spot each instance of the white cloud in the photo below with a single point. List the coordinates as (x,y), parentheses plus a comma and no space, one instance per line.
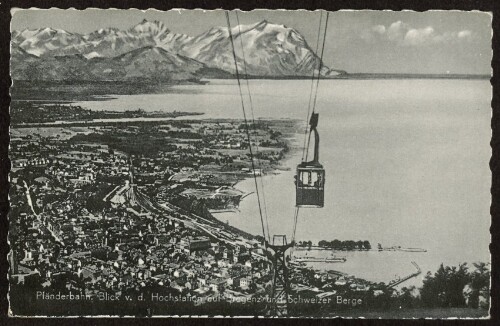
(403,34)
(380,29)
(370,35)
(419,36)
(464,34)
(396,29)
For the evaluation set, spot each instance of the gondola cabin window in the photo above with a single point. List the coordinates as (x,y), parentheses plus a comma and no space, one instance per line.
(311,179)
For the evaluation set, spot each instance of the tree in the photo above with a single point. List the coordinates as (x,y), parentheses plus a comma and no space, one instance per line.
(367,245)
(445,288)
(349,244)
(323,243)
(309,244)
(337,244)
(480,283)
(407,299)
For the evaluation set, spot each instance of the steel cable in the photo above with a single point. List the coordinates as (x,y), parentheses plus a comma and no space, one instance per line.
(246,123)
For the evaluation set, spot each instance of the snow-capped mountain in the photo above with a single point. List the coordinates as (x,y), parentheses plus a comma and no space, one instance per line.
(154,63)
(147,63)
(269,50)
(109,42)
(44,41)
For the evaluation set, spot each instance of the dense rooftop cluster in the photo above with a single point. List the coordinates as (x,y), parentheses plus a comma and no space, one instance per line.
(83,219)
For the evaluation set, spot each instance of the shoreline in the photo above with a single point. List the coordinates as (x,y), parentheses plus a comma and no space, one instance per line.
(187,117)
(78,91)
(276,170)
(286,164)
(93,122)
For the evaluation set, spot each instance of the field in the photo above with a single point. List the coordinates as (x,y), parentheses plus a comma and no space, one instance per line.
(55,132)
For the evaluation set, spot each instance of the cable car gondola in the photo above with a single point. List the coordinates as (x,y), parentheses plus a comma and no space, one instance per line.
(310,177)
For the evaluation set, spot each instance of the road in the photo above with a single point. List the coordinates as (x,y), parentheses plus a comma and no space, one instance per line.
(30,204)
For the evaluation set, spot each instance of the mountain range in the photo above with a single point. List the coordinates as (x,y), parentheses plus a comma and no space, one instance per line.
(150,51)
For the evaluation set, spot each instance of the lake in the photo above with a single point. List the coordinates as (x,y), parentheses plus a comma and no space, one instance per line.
(406,164)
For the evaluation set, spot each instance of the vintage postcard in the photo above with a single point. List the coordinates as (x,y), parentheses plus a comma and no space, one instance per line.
(262,163)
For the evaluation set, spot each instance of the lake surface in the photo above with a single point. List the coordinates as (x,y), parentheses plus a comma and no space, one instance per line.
(406,164)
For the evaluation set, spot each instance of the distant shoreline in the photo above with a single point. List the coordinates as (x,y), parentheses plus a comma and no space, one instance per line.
(70,91)
(376,76)
(204,81)
(345,75)
(410,76)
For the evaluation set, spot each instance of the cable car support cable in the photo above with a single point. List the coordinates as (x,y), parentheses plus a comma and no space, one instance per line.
(313,123)
(246,125)
(311,91)
(253,121)
(317,80)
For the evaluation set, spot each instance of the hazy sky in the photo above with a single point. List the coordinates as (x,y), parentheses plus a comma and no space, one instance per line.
(357,41)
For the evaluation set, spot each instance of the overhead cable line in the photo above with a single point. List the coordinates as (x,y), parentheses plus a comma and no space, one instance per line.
(253,120)
(246,124)
(306,131)
(318,78)
(311,92)
(306,148)
(321,61)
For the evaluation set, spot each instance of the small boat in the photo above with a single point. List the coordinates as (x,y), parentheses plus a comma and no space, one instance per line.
(399,248)
(412,249)
(320,260)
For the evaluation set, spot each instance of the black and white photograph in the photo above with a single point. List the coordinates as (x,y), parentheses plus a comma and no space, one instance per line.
(263,163)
